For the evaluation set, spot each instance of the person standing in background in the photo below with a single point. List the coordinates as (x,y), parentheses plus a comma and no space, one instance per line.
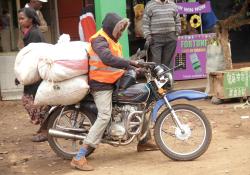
(209,20)
(36,5)
(161,26)
(29,22)
(5,31)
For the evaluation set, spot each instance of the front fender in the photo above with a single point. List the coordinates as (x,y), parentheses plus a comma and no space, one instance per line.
(176,95)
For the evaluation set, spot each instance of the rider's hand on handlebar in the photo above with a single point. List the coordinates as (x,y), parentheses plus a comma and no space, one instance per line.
(134,63)
(140,71)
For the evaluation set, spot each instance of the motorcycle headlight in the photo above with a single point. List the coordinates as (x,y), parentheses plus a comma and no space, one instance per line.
(164,77)
(159,70)
(170,81)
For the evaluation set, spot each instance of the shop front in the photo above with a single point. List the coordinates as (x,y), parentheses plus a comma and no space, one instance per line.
(190,58)
(62,16)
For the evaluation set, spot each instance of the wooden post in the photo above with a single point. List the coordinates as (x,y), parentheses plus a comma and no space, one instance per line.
(18,4)
(13,44)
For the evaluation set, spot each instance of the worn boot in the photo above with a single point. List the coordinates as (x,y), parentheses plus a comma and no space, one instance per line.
(81,164)
(148,146)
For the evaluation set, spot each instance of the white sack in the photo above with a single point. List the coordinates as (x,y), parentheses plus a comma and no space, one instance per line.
(62,93)
(215,58)
(26,63)
(215,61)
(64,38)
(64,61)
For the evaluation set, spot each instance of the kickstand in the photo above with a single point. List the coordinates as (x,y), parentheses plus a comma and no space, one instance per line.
(243,106)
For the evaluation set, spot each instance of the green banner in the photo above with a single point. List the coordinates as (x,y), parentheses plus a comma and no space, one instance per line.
(102,7)
(237,84)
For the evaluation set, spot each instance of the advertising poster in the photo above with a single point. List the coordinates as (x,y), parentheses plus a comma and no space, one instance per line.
(194,7)
(191,56)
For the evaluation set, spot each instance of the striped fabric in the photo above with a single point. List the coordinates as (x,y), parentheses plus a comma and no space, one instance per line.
(161,18)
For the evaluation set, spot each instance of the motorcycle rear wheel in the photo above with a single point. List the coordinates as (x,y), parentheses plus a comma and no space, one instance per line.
(178,145)
(68,148)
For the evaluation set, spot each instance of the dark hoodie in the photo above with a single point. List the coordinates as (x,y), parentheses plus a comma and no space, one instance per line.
(101,48)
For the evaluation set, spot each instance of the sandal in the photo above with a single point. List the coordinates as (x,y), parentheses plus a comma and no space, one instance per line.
(40,137)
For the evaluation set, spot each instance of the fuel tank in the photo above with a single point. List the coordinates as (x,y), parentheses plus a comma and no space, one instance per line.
(137,93)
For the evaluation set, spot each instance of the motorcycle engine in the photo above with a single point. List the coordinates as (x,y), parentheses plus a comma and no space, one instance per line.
(126,122)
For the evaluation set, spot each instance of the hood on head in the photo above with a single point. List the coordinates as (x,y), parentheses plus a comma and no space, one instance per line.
(112,24)
(164,1)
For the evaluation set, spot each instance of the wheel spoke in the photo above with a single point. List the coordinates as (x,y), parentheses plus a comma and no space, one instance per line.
(70,146)
(168,133)
(65,122)
(176,142)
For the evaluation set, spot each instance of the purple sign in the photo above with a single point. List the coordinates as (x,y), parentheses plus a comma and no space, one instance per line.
(190,56)
(194,7)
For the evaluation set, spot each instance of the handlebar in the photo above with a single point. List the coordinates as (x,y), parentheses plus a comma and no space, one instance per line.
(146,64)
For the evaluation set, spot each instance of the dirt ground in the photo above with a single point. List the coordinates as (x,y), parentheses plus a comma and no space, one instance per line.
(229,152)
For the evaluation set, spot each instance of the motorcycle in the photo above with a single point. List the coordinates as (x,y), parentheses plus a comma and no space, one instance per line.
(182,131)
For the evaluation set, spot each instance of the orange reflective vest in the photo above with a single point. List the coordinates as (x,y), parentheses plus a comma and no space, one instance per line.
(98,70)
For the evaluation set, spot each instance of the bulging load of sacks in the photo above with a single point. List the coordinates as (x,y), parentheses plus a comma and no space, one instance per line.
(62,67)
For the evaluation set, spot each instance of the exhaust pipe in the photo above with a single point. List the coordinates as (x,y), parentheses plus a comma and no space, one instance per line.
(65,135)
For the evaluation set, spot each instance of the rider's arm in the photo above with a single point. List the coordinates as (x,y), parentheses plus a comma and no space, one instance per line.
(101,48)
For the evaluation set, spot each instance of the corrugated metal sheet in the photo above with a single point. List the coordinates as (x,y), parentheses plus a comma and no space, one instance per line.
(9,91)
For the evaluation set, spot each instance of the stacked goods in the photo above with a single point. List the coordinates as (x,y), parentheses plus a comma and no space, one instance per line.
(64,93)
(62,67)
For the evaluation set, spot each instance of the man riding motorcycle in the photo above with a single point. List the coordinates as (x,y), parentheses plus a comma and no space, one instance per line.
(106,67)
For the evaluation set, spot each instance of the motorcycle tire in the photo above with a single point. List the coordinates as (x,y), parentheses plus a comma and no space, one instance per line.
(52,141)
(178,136)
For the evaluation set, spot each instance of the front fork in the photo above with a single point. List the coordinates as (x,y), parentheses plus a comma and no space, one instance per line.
(175,117)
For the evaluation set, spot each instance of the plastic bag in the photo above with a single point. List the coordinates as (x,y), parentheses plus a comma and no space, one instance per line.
(215,58)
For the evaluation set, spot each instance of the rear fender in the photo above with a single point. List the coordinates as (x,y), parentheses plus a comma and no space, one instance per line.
(46,119)
(52,109)
(176,95)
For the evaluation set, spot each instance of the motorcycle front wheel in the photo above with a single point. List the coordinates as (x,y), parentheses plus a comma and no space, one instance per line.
(189,143)
(68,148)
